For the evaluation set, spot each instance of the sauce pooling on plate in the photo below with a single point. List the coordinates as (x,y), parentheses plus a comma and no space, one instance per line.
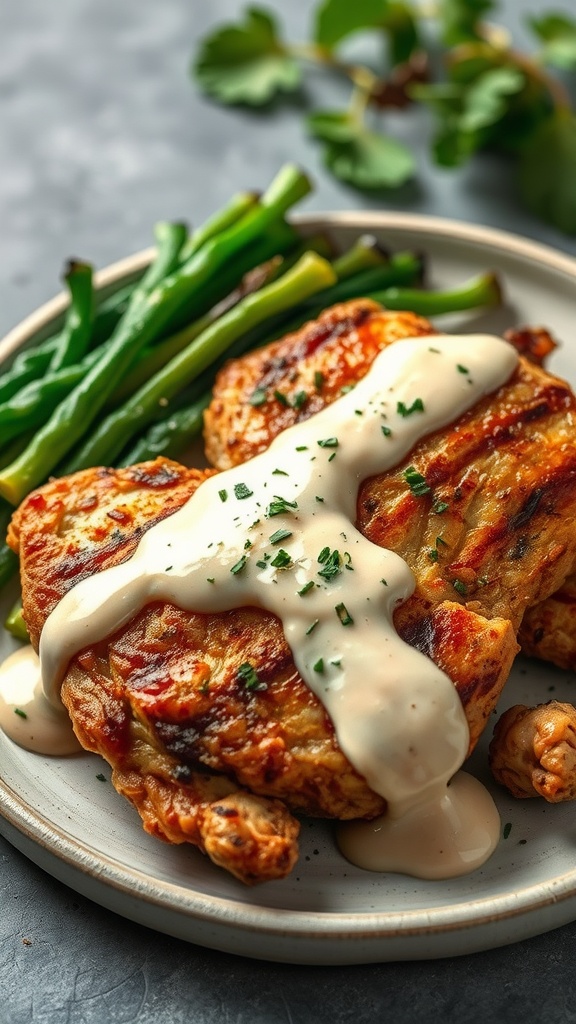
(278,533)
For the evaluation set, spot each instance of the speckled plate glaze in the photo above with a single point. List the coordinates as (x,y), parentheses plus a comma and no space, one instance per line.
(59,813)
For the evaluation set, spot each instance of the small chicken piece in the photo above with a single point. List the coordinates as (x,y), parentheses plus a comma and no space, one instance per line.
(548,630)
(533,751)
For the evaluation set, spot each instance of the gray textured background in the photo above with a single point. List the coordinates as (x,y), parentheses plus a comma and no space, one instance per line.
(102,134)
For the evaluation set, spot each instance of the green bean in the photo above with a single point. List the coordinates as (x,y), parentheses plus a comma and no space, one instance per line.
(75,336)
(15,624)
(34,402)
(170,436)
(364,253)
(229,214)
(483,290)
(8,560)
(141,323)
(308,276)
(28,365)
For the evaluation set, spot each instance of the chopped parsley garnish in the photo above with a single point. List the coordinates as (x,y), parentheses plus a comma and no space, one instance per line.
(462,369)
(507,830)
(318,498)
(329,442)
(386,431)
(439,540)
(312,626)
(318,380)
(385,582)
(333,456)
(416,482)
(460,587)
(407,410)
(258,397)
(279,472)
(306,588)
(300,399)
(302,448)
(281,397)
(343,614)
(248,675)
(319,665)
(247,544)
(439,506)
(20,713)
(331,562)
(275,538)
(240,564)
(262,564)
(281,560)
(210,579)
(242,491)
(223,495)
(280,505)
(100,777)
(433,554)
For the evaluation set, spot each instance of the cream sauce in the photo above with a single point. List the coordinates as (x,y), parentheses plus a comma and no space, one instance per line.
(26,716)
(397,716)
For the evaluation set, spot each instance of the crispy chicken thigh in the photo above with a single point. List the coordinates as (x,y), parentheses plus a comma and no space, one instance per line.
(204,758)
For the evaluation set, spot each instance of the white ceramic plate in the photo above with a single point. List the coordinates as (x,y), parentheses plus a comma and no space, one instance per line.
(78,829)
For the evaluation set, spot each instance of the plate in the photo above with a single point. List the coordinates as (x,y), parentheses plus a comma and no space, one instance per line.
(67,820)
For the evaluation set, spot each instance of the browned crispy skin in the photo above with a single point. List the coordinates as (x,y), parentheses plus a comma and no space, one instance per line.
(162,699)
(533,751)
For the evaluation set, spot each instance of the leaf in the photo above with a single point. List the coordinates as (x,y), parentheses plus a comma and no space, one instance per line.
(336,19)
(558,33)
(459,19)
(360,157)
(548,171)
(485,102)
(246,63)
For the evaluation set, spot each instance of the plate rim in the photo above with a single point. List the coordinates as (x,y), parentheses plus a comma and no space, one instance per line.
(373,929)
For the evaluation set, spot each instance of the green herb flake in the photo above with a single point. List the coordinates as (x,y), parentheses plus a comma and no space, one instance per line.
(248,675)
(318,380)
(319,665)
(328,442)
(279,535)
(247,545)
(20,713)
(318,498)
(242,491)
(312,626)
(416,482)
(439,506)
(261,564)
(433,554)
(507,830)
(302,448)
(386,431)
(462,369)
(168,568)
(239,566)
(279,472)
(100,777)
(223,495)
(385,582)
(331,562)
(258,397)
(439,540)
(281,560)
(460,587)
(344,615)
(280,505)
(299,399)
(210,579)
(407,410)
(306,588)
(281,397)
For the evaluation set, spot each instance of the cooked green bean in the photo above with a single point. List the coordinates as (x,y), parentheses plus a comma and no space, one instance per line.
(75,336)
(141,323)
(311,274)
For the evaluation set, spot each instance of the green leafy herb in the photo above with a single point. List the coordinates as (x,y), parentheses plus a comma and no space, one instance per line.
(239,565)
(386,430)
(248,676)
(406,410)
(279,536)
(306,588)
(242,491)
(258,397)
(460,587)
(462,369)
(331,562)
(318,380)
(319,665)
(416,482)
(312,626)
(223,495)
(101,777)
(281,560)
(280,505)
(433,554)
(487,95)
(299,399)
(507,830)
(344,615)
(329,442)
(247,63)
(281,397)
(439,506)
(20,713)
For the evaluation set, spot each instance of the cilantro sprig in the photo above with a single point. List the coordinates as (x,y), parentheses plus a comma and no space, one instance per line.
(487,95)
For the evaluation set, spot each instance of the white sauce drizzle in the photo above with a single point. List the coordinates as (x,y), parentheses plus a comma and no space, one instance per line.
(26,716)
(397,717)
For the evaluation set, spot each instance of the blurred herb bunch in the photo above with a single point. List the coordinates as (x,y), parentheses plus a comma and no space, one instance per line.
(488,95)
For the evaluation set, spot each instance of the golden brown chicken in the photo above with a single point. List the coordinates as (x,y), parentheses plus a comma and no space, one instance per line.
(533,751)
(204,756)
